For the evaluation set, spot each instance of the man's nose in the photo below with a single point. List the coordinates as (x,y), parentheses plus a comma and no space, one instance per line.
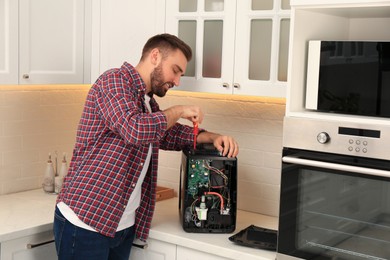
(177,81)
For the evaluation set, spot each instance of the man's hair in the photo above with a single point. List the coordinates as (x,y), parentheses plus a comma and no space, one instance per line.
(165,43)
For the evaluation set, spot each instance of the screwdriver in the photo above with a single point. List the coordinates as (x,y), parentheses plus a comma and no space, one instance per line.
(195,133)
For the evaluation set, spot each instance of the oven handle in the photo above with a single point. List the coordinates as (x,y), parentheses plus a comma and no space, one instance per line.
(336,166)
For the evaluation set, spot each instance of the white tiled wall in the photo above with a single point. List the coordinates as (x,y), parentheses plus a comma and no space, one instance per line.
(38,120)
(35,121)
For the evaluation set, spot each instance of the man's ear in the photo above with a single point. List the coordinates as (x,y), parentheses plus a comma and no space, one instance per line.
(155,56)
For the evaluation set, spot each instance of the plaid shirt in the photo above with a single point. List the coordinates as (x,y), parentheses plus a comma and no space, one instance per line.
(112,143)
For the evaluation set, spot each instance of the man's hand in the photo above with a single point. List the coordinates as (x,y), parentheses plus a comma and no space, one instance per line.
(191,113)
(227,145)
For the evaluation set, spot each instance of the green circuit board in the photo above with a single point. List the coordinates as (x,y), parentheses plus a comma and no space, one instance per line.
(198,175)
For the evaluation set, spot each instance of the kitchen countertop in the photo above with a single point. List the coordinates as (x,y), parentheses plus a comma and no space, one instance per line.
(31,212)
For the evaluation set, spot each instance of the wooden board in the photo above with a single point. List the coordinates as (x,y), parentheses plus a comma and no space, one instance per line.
(164,193)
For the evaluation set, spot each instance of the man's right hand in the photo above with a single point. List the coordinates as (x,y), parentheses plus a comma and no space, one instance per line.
(191,113)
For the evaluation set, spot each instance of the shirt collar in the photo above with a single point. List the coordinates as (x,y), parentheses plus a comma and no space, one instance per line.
(136,77)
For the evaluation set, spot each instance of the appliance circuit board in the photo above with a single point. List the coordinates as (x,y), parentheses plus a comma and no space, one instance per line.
(208,195)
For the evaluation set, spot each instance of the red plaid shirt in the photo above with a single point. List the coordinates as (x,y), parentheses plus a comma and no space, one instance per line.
(112,143)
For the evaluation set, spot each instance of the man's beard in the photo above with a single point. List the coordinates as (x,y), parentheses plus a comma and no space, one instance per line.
(157,82)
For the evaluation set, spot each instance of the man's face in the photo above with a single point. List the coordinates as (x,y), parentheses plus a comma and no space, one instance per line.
(159,85)
(168,73)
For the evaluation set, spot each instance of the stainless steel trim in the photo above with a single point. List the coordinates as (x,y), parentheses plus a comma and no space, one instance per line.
(336,166)
(361,146)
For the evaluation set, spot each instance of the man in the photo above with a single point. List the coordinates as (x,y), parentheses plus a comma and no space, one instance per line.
(108,197)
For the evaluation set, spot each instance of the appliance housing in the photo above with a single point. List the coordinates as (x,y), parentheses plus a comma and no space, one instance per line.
(208,191)
(349,77)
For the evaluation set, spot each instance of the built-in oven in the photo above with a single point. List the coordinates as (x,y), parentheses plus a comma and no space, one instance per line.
(335,190)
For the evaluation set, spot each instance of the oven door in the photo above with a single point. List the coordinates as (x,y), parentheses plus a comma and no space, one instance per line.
(333,207)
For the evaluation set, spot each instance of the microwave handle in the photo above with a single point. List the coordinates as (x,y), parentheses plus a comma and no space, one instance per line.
(336,166)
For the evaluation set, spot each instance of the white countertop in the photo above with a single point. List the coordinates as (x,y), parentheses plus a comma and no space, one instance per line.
(30,212)
(166,227)
(26,213)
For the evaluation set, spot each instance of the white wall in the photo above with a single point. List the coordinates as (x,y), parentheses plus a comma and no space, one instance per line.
(36,120)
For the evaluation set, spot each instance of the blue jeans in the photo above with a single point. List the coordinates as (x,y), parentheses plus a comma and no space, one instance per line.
(76,243)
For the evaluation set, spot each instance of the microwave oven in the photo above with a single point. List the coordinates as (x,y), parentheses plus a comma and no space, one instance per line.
(349,77)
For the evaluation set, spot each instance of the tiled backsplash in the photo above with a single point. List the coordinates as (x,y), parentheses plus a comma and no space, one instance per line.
(38,120)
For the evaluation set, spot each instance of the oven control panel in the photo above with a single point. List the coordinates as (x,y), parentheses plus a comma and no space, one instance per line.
(336,137)
(358,145)
(323,137)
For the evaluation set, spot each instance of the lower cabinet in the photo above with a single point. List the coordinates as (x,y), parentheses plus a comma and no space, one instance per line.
(159,250)
(34,247)
(156,250)
(185,253)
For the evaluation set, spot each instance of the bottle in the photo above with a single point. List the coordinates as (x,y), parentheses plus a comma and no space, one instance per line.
(48,178)
(64,167)
(59,179)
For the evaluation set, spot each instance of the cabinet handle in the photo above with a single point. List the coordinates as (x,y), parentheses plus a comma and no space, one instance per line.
(236,85)
(31,246)
(140,246)
(225,85)
(25,76)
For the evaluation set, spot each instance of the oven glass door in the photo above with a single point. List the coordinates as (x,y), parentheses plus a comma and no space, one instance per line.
(334,208)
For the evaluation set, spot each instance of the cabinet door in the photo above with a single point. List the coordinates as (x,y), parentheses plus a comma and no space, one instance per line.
(51,40)
(34,247)
(8,42)
(208,27)
(246,40)
(261,50)
(156,250)
(124,28)
(184,253)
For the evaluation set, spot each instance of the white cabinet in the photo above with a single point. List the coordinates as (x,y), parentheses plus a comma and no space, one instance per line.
(329,20)
(120,30)
(185,253)
(34,247)
(240,46)
(156,250)
(9,41)
(45,41)
(159,250)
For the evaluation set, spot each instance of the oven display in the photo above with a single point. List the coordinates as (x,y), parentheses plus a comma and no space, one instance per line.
(359,132)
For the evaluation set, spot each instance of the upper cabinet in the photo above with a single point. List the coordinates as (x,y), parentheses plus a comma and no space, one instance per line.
(8,42)
(120,29)
(45,41)
(239,46)
(343,20)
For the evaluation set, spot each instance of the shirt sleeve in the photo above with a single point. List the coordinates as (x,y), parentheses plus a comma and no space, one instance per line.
(178,137)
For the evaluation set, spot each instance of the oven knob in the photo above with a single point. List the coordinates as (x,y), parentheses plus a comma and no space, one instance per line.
(323,137)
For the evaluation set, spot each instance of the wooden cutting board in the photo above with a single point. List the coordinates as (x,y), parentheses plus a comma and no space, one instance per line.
(164,193)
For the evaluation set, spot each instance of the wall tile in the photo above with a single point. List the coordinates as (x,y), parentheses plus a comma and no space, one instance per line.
(41,120)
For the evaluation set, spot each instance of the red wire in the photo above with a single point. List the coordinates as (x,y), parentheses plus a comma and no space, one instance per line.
(217,194)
